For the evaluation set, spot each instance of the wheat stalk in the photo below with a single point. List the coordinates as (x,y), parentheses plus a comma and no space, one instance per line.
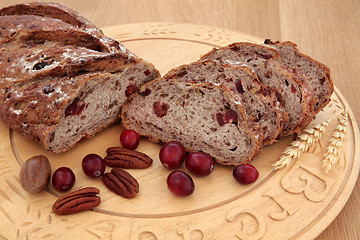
(304,141)
(331,156)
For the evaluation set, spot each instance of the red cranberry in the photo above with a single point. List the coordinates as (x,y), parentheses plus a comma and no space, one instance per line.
(172,154)
(160,109)
(180,183)
(93,165)
(231,117)
(63,179)
(220,119)
(75,108)
(130,90)
(239,87)
(145,93)
(245,173)
(147,72)
(129,139)
(199,163)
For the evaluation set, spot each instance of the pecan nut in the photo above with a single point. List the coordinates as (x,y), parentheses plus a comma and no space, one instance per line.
(125,158)
(81,200)
(121,182)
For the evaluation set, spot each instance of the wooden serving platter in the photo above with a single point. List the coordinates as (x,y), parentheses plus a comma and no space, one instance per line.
(296,202)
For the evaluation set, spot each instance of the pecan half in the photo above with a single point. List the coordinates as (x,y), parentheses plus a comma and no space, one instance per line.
(81,200)
(124,158)
(121,182)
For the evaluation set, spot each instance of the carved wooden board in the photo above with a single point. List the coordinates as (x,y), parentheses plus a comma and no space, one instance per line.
(296,202)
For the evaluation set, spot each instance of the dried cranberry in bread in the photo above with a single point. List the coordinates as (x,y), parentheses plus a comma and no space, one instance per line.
(62,80)
(295,95)
(261,114)
(315,73)
(203,117)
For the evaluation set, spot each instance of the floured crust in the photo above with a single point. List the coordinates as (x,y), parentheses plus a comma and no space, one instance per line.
(61,79)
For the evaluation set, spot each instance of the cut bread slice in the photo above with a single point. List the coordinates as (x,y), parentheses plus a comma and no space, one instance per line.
(203,117)
(316,74)
(262,115)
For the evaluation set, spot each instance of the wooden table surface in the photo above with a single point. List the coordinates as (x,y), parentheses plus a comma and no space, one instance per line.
(328,30)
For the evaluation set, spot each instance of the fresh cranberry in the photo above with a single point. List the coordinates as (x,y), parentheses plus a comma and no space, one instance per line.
(63,179)
(172,154)
(75,108)
(199,163)
(245,173)
(93,165)
(129,139)
(180,183)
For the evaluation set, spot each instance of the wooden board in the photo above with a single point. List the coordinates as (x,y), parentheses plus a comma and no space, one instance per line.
(297,202)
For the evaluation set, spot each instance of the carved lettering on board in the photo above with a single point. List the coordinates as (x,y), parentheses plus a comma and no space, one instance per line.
(288,207)
(139,232)
(206,234)
(253,225)
(310,180)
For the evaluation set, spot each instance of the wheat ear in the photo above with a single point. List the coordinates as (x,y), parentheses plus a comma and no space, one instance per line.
(304,141)
(331,156)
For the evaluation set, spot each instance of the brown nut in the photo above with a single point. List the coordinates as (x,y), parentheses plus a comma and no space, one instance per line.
(35,174)
(81,200)
(125,158)
(121,182)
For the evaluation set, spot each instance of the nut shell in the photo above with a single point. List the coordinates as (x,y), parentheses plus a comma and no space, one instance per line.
(35,174)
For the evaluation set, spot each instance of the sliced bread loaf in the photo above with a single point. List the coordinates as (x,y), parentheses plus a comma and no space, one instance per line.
(296,97)
(203,117)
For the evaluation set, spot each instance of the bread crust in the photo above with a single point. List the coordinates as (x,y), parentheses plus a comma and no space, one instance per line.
(52,57)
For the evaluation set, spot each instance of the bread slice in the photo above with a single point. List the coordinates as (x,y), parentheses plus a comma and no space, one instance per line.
(316,74)
(61,83)
(261,114)
(203,117)
(291,92)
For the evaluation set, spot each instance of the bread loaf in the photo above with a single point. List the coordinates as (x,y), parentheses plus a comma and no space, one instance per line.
(228,104)
(61,79)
